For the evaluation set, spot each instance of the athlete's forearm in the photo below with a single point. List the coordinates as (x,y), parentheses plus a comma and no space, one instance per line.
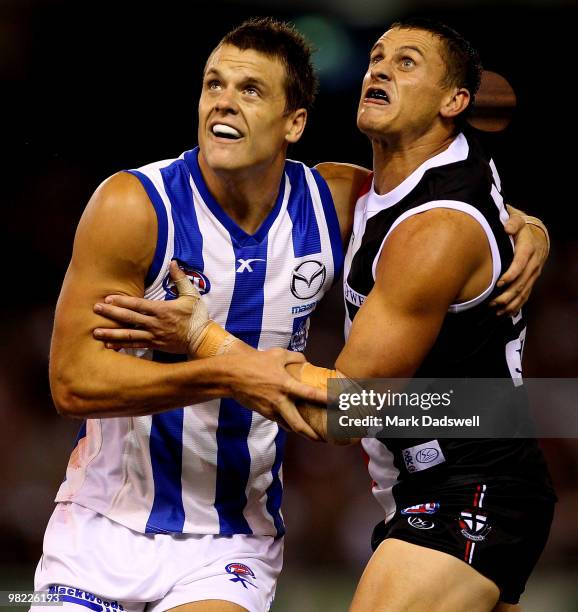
(111,384)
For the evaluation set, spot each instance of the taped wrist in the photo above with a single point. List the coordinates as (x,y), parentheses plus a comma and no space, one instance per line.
(211,340)
(317,376)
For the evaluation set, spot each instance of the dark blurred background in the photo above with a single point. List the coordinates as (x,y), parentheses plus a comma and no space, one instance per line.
(89,88)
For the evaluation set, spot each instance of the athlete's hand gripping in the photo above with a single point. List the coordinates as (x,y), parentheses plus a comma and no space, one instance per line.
(173,326)
(260,379)
(532,246)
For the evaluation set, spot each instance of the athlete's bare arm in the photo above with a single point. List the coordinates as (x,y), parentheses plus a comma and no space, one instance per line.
(430,261)
(113,249)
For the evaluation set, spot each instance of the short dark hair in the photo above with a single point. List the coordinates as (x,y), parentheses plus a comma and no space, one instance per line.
(463,64)
(280,40)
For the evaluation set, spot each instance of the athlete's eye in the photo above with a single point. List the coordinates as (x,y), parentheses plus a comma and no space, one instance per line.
(407,62)
(252,91)
(375,59)
(213,84)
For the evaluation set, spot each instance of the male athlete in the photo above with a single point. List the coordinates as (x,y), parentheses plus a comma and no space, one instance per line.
(196,491)
(167,503)
(432,211)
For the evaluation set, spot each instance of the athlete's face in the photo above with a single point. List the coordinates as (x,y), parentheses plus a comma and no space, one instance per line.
(402,90)
(242,117)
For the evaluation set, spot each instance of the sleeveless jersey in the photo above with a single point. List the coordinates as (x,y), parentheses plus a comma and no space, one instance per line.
(472,343)
(215,467)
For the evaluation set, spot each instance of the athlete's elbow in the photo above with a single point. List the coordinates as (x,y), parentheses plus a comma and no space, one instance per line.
(74,395)
(69,400)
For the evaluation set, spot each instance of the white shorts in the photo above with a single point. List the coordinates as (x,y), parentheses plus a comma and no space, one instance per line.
(100,565)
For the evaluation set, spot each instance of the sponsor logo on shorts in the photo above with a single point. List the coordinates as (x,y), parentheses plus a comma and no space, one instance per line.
(422,456)
(420,523)
(474,525)
(196,277)
(429,508)
(307,279)
(84,598)
(243,574)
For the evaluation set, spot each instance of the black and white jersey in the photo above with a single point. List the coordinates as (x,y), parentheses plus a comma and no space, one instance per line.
(473,341)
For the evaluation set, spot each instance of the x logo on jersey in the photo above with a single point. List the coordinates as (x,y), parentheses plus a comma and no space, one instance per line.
(246,264)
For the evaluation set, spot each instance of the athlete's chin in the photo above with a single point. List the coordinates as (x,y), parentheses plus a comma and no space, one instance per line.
(372,130)
(372,126)
(225,159)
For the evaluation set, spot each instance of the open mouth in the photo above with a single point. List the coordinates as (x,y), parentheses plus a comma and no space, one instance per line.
(226,131)
(374,93)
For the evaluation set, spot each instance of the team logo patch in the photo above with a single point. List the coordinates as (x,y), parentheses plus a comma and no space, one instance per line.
(196,277)
(429,508)
(299,338)
(474,525)
(243,574)
(307,279)
(420,523)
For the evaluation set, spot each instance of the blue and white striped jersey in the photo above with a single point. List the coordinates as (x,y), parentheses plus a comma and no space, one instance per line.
(214,468)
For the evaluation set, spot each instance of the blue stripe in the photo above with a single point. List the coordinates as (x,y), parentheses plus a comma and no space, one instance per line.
(244,320)
(305,233)
(162,225)
(239,236)
(275,489)
(166,440)
(188,238)
(166,449)
(332,224)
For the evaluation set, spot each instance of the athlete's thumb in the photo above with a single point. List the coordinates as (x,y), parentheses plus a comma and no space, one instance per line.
(182,282)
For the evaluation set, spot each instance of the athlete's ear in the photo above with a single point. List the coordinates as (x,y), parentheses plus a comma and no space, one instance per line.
(454,103)
(296,121)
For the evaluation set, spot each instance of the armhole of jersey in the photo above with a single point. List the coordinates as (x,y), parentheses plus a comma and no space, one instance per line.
(332,223)
(158,262)
(479,217)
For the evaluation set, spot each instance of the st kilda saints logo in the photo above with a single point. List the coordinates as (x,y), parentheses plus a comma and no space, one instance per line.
(474,525)
(307,279)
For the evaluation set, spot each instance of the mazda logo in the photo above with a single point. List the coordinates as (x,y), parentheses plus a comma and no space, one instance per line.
(308,279)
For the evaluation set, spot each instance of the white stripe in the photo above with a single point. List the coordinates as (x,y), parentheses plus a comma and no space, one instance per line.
(482,495)
(277,321)
(261,443)
(473,545)
(479,217)
(383,472)
(133,501)
(199,468)
(359,223)
(322,224)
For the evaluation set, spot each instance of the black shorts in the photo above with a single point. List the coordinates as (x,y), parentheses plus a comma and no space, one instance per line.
(498,527)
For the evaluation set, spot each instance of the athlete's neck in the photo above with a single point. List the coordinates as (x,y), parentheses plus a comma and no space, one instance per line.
(395,158)
(248,195)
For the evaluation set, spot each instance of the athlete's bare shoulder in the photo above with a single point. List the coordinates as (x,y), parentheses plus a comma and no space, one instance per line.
(340,171)
(345,182)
